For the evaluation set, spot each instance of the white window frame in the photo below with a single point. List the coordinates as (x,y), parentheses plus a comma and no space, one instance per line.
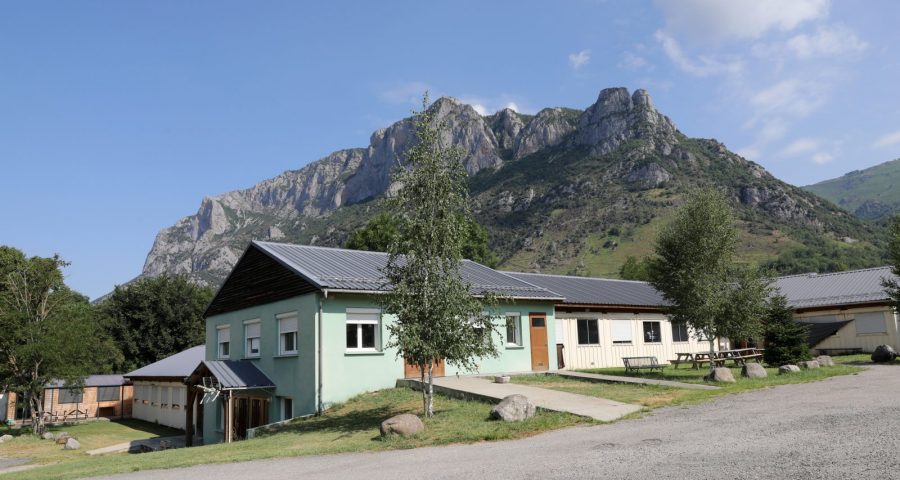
(613,324)
(247,350)
(359,322)
(281,332)
(219,342)
(281,408)
(517,337)
(644,334)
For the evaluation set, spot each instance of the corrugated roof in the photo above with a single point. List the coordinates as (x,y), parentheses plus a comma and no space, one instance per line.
(95,381)
(234,374)
(596,291)
(341,269)
(841,288)
(179,365)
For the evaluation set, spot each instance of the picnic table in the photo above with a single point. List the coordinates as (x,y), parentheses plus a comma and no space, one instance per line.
(739,356)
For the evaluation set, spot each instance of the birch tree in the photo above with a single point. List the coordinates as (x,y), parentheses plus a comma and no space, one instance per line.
(437,317)
(892,285)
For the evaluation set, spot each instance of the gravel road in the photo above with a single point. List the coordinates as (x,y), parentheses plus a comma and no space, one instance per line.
(841,428)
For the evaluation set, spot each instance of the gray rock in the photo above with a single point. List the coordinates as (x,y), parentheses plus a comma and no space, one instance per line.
(5,438)
(617,117)
(48,436)
(883,353)
(501,379)
(788,369)
(648,176)
(405,424)
(72,444)
(825,361)
(513,408)
(59,435)
(754,370)
(548,128)
(809,364)
(720,374)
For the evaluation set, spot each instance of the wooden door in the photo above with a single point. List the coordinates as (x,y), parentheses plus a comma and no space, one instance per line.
(412,371)
(540,359)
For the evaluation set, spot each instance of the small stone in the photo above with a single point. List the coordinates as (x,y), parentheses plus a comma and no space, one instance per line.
(47,436)
(825,361)
(405,424)
(809,364)
(72,444)
(720,374)
(788,369)
(883,353)
(501,379)
(754,370)
(513,408)
(6,438)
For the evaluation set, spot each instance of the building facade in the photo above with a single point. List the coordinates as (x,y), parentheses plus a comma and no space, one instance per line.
(160,394)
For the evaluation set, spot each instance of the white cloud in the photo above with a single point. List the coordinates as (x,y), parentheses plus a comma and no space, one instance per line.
(634,62)
(512,106)
(790,97)
(481,109)
(772,129)
(800,146)
(703,21)
(821,158)
(409,92)
(580,59)
(702,66)
(826,42)
(888,140)
(491,105)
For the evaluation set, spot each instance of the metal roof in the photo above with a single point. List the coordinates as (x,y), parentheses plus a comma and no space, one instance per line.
(596,291)
(179,365)
(95,381)
(831,289)
(234,374)
(356,270)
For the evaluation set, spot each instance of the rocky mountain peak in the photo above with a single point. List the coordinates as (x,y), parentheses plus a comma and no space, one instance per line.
(618,116)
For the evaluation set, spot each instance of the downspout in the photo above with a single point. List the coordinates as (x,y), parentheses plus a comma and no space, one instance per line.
(320,404)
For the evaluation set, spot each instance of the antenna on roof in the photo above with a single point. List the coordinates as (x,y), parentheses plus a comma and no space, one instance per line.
(211,389)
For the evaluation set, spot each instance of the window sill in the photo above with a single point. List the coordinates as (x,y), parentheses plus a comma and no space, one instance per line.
(287,355)
(652,343)
(588,345)
(353,353)
(622,344)
(252,357)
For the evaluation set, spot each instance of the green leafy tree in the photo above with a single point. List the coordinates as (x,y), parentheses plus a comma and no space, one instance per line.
(694,268)
(437,319)
(634,269)
(47,331)
(786,340)
(892,285)
(377,235)
(155,317)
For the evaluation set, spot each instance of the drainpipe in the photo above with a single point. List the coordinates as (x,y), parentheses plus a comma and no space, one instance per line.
(320,404)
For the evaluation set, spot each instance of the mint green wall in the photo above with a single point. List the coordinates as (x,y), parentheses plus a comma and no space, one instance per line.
(294,375)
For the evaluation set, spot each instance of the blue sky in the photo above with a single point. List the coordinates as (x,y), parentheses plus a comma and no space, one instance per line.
(116,118)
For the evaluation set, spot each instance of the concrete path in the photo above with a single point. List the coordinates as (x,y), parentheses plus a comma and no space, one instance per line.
(843,428)
(596,377)
(136,445)
(583,405)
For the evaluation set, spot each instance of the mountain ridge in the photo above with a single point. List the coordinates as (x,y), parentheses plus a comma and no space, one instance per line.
(869,193)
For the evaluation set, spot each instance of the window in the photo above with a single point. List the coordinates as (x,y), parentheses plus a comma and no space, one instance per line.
(620,331)
(513,329)
(652,332)
(362,329)
(224,339)
(70,395)
(108,394)
(287,333)
(680,332)
(588,332)
(287,408)
(251,333)
(867,323)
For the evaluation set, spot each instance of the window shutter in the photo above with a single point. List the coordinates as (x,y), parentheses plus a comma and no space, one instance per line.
(287,324)
(621,330)
(224,335)
(252,330)
(870,323)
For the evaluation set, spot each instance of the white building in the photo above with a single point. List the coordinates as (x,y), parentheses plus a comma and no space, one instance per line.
(160,395)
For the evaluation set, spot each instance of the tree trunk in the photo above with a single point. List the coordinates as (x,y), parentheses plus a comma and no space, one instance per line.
(429,404)
(712,353)
(37,414)
(424,390)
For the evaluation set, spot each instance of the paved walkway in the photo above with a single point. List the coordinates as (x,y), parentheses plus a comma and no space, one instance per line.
(592,407)
(136,445)
(636,380)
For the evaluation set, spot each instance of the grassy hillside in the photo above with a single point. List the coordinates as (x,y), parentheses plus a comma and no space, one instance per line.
(871,193)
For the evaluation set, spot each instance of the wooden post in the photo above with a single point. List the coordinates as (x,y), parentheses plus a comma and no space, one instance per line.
(189,418)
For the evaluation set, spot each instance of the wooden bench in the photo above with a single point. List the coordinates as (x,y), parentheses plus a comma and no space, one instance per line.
(636,364)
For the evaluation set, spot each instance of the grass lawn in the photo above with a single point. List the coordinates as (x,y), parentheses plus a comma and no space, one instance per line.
(91,435)
(653,396)
(350,427)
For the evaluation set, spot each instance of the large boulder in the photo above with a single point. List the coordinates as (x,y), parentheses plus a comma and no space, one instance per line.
(405,424)
(6,438)
(809,364)
(720,374)
(62,437)
(72,444)
(825,361)
(754,370)
(788,369)
(513,408)
(883,353)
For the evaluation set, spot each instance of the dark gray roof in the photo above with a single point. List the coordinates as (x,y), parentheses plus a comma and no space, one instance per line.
(95,381)
(234,374)
(596,291)
(356,270)
(832,289)
(178,366)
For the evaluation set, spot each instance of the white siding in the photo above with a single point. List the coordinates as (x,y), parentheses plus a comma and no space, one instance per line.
(606,353)
(172,394)
(848,337)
